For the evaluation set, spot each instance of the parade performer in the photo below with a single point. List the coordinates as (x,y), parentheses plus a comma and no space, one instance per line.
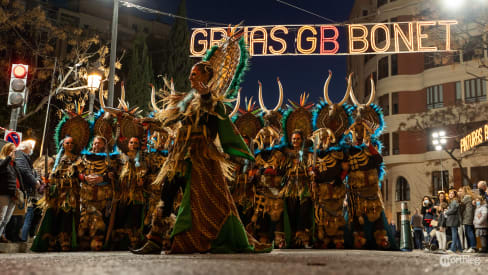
(97,174)
(158,153)
(365,173)
(297,124)
(207,219)
(128,205)
(267,221)
(329,168)
(130,196)
(62,196)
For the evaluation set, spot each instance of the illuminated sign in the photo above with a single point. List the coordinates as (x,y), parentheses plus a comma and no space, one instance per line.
(347,39)
(474,139)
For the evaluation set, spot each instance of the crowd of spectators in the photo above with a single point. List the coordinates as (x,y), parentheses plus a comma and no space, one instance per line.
(454,222)
(19,191)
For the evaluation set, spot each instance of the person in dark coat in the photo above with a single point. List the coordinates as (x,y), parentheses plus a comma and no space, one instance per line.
(11,181)
(453,220)
(31,181)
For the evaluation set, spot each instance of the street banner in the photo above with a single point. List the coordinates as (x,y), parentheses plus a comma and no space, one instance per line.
(334,39)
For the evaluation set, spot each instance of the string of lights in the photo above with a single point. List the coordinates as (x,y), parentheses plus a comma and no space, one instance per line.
(153,11)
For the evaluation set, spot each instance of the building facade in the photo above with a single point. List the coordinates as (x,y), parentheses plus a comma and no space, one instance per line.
(421,93)
(96,16)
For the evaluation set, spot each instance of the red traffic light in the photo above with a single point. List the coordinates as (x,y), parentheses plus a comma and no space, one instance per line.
(19,71)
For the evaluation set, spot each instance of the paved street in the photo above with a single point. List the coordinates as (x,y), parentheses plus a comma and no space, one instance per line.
(303,262)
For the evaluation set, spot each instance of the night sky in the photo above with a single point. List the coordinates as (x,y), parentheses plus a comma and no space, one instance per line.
(297,73)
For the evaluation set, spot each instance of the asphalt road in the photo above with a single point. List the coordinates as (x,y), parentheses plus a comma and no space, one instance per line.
(288,262)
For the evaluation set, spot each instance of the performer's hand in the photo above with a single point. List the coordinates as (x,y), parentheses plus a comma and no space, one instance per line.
(94,179)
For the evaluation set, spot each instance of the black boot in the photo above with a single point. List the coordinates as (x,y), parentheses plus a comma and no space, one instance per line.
(149,247)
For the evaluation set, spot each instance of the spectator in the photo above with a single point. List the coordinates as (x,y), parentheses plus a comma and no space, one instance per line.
(31,180)
(482,189)
(453,221)
(480,222)
(418,235)
(441,195)
(428,213)
(441,224)
(466,210)
(10,186)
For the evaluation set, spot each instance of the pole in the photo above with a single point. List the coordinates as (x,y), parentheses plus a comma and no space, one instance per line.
(91,96)
(48,106)
(113,49)
(406,233)
(442,175)
(14,115)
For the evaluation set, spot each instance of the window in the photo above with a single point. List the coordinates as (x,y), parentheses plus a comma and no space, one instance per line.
(146,30)
(439,183)
(394,64)
(396,143)
(384,103)
(433,60)
(383,68)
(474,90)
(69,20)
(364,13)
(459,92)
(402,190)
(381,3)
(134,27)
(479,173)
(385,140)
(457,57)
(474,48)
(435,97)
(394,104)
(380,34)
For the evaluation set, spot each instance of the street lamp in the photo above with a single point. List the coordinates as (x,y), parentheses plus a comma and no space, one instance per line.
(439,140)
(113,50)
(453,4)
(93,83)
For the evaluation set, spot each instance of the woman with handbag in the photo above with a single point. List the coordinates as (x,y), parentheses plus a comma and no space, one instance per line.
(10,186)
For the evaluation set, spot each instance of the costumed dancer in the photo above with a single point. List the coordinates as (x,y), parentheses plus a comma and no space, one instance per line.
(329,168)
(365,172)
(267,221)
(97,191)
(158,153)
(130,196)
(296,191)
(207,219)
(128,206)
(62,195)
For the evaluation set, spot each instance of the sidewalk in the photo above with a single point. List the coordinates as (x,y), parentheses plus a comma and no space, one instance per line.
(15,247)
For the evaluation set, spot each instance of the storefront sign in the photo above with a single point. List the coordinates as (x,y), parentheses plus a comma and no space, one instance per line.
(389,37)
(474,139)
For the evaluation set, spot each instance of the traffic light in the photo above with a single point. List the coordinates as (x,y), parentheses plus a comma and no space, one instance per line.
(18,85)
